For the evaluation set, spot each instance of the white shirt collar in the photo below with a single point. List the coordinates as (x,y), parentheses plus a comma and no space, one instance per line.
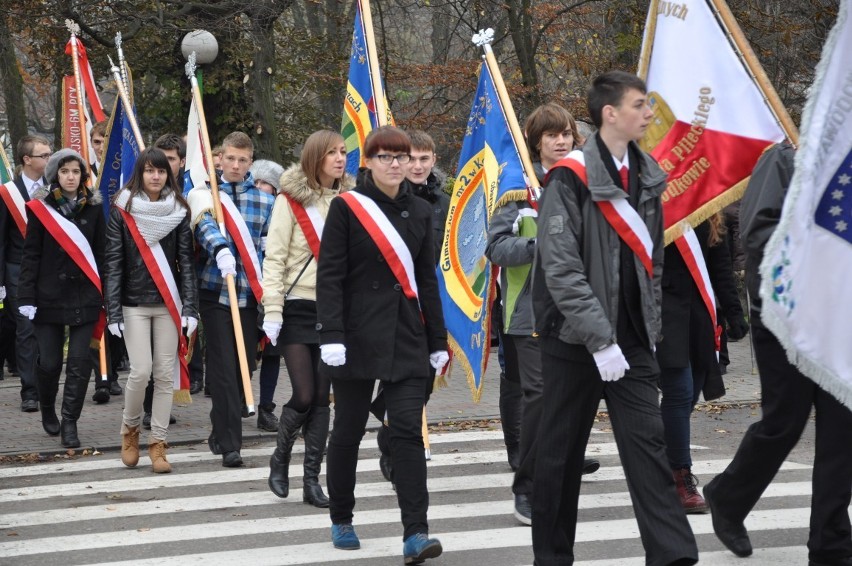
(623,163)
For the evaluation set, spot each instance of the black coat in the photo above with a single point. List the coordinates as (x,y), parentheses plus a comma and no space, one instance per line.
(127,280)
(359,301)
(688,334)
(51,281)
(11,240)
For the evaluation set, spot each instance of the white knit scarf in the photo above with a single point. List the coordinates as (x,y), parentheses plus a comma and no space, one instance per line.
(155,219)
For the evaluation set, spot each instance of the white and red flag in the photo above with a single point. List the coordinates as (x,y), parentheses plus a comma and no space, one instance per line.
(195,174)
(807,265)
(711,118)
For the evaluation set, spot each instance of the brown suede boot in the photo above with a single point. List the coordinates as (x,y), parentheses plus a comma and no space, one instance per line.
(157,453)
(130,446)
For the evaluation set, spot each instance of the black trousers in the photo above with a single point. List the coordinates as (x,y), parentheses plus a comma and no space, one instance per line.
(26,347)
(223,369)
(572,391)
(786,401)
(404,401)
(532,386)
(51,339)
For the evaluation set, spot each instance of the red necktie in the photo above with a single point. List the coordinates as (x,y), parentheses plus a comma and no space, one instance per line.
(625,180)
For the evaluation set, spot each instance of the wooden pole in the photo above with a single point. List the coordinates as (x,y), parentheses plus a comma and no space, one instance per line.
(125,102)
(84,146)
(648,41)
(425,434)
(373,60)
(735,33)
(509,113)
(217,213)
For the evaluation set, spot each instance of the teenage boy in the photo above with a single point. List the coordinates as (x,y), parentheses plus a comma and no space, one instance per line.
(237,254)
(596,300)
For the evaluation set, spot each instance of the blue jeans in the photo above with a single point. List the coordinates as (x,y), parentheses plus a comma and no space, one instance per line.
(676,407)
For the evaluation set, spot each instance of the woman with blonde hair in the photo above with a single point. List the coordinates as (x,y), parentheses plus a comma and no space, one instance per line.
(289,303)
(151,295)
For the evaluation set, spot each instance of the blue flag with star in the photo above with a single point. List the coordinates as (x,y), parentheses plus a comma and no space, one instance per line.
(834,212)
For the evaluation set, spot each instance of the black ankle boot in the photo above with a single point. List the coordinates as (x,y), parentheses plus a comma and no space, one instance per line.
(511,413)
(316,435)
(69,438)
(279,464)
(77,373)
(48,385)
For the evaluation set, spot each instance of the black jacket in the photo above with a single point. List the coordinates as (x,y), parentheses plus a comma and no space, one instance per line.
(11,240)
(688,334)
(359,301)
(433,193)
(128,281)
(50,280)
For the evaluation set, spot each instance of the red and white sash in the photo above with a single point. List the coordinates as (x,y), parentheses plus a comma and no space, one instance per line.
(310,221)
(161,272)
(239,232)
(16,205)
(75,244)
(622,217)
(690,249)
(387,239)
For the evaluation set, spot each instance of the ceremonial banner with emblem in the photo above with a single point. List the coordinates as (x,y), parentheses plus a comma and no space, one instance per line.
(711,119)
(359,109)
(489,167)
(121,150)
(807,265)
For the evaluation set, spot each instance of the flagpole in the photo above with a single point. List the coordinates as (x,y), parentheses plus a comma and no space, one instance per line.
(84,145)
(483,39)
(373,59)
(648,41)
(217,213)
(125,102)
(735,33)
(123,68)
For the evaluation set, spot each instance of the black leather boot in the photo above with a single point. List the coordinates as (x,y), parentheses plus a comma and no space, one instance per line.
(279,464)
(316,435)
(511,412)
(48,386)
(77,373)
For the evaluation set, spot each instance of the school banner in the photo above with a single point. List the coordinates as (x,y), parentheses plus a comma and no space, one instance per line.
(120,152)
(807,265)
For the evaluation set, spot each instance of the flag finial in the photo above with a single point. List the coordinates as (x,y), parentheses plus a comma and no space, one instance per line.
(484,37)
(190,65)
(72,26)
(118,40)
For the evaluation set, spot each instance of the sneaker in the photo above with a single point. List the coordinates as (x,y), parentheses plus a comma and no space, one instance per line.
(343,537)
(266,420)
(419,547)
(523,509)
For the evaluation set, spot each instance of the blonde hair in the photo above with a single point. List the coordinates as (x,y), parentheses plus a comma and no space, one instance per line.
(313,153)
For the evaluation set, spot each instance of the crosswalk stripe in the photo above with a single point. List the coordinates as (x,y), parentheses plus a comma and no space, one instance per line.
(778,556)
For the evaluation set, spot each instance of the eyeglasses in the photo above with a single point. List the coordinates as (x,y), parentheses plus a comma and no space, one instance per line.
(387,159)
(43,155)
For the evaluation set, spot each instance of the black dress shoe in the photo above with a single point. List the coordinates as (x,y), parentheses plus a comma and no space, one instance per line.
(101,395)
(232,459)
(213,444)
(732,534)
(115,388)
(196,387)
(386,466)
(29,406)
(830,561)
(590,466)
(523,509)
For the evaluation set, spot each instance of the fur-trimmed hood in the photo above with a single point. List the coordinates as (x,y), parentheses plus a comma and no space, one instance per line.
(295,184)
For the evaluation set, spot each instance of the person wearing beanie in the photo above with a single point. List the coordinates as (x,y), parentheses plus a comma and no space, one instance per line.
(58,291)
(267,178)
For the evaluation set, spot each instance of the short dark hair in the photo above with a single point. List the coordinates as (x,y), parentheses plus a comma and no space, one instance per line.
(608,89)
(422,141)
(172,141)
(390,138)
(26,145)
(99,129)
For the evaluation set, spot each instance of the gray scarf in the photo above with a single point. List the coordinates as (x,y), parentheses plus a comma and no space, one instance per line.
(155,219)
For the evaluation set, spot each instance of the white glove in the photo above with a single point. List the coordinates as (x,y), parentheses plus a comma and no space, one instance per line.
(611,363)
(333,354)
(116,329)
(2,292)
(439,359)
(263,243)
(272,330)
(226,263)
(190,323)
(28,311)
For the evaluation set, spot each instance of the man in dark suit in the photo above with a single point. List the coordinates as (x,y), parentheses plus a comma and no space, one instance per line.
(32,154)
(596,300)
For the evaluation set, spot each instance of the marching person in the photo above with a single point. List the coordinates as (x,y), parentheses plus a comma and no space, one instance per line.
(151,295)
(596,302)
(58,289)
(379,317)
(550,133)
(289,302)
(247,211)
(32,154)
